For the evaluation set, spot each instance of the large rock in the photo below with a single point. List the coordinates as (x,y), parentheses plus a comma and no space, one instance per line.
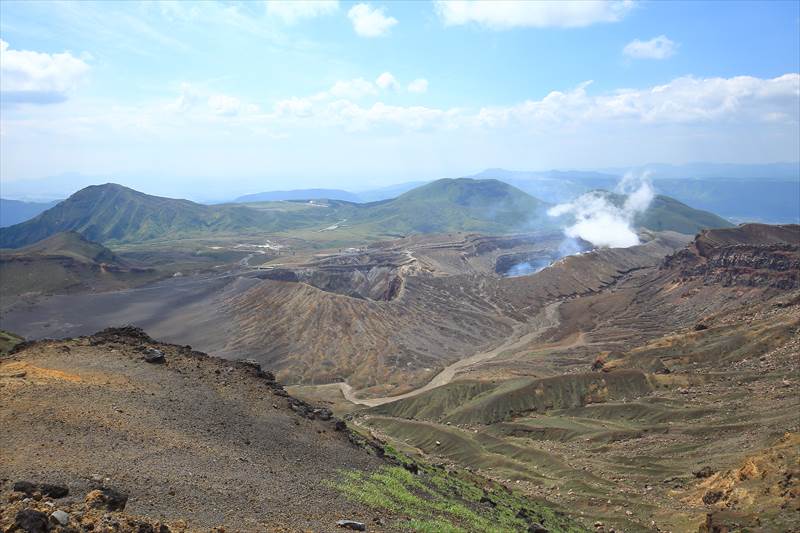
(60,517)
(105,498)
(351,524)
(46,489)
(31,521)
(151,355)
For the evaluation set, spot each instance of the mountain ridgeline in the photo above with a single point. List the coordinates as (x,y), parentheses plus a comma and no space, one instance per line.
(115,214)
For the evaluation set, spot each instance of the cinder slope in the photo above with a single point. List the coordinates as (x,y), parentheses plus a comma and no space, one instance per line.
(195,438)
(197,443)
(63,262)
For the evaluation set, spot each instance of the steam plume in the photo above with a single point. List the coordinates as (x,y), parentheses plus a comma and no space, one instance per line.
(601,221)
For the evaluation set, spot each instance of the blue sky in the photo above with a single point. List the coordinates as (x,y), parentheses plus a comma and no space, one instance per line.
(251,96)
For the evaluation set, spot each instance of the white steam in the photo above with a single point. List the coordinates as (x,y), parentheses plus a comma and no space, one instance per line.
(598,220)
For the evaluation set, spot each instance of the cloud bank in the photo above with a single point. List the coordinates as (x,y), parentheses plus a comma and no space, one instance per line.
(38,77)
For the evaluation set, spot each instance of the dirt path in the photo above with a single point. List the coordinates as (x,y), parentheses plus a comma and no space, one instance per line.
(544,320)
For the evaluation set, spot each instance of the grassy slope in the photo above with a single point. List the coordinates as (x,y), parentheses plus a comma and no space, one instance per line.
(436,500)
(112,213)
(666,213)
(8,340)
(70,244)
(63,262)
(487,206)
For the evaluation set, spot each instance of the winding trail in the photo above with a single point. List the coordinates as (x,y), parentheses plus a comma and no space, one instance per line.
(544,320)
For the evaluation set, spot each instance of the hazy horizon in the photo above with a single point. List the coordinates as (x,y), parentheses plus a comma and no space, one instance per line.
(362,95)
(216,189)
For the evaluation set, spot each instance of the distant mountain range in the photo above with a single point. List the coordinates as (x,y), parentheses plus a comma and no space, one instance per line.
(370,195)
(771,199)
(115,214)
(299,194)
(14,211)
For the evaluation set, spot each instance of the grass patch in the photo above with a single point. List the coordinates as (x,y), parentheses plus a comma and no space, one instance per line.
(439,500)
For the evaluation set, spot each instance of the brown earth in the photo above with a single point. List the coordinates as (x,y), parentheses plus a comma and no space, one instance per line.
(657,372)
(195,442)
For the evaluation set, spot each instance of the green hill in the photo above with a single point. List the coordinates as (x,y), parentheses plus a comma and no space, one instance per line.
(113,214)
(70,244)
(666,213)
(63,262)
(464,204)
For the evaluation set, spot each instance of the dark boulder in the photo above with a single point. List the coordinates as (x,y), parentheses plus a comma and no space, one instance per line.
(712,496)
(487,500)
(31,521)
(351,524)
(46,489)
(54,491)
(151,355)
(704,472)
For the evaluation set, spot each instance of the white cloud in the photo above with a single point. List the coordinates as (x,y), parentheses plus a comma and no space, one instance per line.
(188,98)
(386,81)
(36,77)
(420,85)
(505,14)
(683,100)
(353,117)
(222,104)
(660,47)
(290,11)
(370,22)
(199,103)
(299,107)
(353,89)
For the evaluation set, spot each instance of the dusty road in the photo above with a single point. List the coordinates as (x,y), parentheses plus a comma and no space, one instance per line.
(544,320)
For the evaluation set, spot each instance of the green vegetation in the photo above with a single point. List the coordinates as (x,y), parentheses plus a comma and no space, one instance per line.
(8,340)
(115,215)
(73,245)
(436,500)
(668,214)
(484,403)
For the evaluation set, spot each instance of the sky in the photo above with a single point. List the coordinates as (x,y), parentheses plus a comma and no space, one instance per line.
(213,98)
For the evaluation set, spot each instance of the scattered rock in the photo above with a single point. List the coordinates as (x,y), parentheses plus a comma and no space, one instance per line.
(486,499)
(46,489)
(25,487)
(60,517)
(700,327)
(704,472)
(31,521)
(151,355)
(105,498)
(323,413)
(411,467)
(712,497)
(351,524)
(537,528)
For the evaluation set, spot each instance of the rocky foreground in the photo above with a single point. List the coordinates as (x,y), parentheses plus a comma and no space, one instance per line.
(116,432)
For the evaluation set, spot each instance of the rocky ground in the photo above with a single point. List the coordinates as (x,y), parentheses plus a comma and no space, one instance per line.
(192,442)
